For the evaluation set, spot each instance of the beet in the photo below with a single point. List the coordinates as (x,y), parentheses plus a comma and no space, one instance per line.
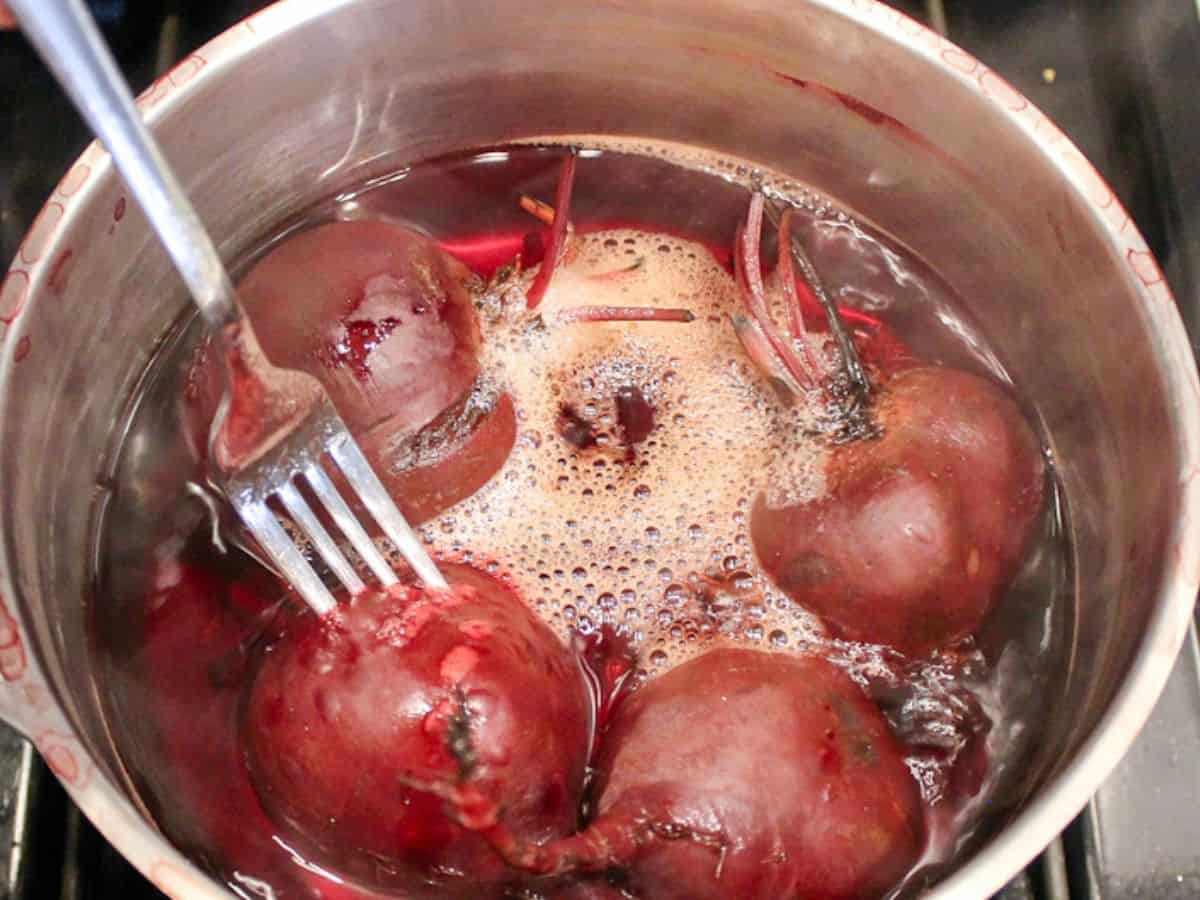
(197,629)
(378,312)
(921,528)
(746,774)
(383,317)
(390,738)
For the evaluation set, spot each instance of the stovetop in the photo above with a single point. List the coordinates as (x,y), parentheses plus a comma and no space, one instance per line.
(1120,78)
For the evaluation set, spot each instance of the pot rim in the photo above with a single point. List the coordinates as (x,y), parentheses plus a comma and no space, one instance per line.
(26,699)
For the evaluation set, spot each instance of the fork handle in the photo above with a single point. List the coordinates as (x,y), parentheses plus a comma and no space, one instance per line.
(71,45)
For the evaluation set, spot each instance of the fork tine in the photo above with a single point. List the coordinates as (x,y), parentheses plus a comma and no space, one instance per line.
(363,480)
(325,545)
(291,562)
(342,515)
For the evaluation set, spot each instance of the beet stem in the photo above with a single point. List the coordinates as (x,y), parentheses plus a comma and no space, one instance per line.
(612,841)
(748,274)
(543,212)
(622,314)
(860,386)
(558,233)
(615,274)
(787,275)
(759,350)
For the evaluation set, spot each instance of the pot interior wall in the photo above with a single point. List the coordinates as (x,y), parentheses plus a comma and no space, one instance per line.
(358,88)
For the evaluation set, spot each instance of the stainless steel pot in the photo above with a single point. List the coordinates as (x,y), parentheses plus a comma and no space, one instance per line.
(918,137)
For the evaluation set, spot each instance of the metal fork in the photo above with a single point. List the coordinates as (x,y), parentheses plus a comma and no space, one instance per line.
(299,429)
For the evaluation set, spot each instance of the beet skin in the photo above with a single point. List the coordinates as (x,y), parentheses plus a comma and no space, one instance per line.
(922,527)
(746,774)
(390,738)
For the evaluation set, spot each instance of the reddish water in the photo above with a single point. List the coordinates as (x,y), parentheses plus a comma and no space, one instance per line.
(617,494)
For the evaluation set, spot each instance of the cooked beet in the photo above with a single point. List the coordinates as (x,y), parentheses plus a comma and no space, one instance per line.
(390,738)
(383,317)
(746,774)
(449,459)
(197,629)
(922,527)
(378,312)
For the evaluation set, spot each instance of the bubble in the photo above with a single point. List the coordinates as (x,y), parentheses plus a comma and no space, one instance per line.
(624,536)
(676,594)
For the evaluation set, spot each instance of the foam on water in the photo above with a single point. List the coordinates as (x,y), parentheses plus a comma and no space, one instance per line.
(653,540)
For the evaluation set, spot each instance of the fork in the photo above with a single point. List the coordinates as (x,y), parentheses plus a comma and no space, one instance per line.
(295,430)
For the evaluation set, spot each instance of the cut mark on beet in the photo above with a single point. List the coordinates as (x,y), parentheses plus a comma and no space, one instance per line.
(358,340)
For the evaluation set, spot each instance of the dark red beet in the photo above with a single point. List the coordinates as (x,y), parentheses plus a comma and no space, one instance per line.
(378,312)
(747,774)
(382,316)
(455,460)
(920,528)
(195,620)
(389,739)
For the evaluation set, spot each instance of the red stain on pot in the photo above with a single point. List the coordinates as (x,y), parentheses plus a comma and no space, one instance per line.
(187,69)
(12,652)
(13,291)
(870,113)
(39,235)
(152,95)
(960,61)
(60,273)
(22,350)
(119,210)
(1145,267)
(75,178)
(1001,91)
(56,749)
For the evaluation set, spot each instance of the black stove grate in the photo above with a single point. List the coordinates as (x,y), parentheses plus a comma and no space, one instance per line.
(1121,79)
